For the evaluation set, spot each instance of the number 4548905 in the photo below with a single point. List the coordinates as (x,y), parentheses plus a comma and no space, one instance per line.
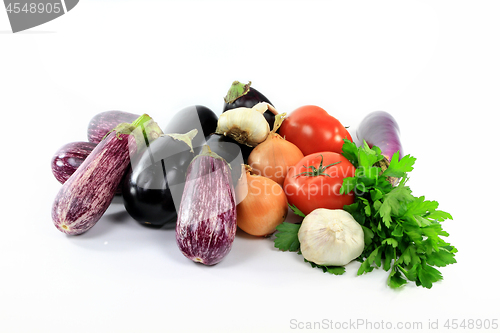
(471,324)
(34,7)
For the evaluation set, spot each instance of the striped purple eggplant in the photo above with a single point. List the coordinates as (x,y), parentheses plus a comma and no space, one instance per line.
(86,195)
(104,122)
(206,223)
(69,157)
(380,129)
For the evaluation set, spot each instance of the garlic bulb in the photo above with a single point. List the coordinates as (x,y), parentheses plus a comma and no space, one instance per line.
(331,237)
(245,125)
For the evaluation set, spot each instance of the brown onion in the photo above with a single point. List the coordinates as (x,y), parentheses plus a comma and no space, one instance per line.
(263,208)
(273,157)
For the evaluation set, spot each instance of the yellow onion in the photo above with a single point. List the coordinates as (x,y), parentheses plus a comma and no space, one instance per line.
(263,208)
(273,157)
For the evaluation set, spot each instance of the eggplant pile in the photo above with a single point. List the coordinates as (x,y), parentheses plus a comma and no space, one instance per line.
(88,192)
(131,155)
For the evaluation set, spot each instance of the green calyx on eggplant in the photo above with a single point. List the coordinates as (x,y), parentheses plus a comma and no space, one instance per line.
(243,95)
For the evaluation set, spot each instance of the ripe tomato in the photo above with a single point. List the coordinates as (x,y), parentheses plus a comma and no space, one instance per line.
(315,182)
(313,130)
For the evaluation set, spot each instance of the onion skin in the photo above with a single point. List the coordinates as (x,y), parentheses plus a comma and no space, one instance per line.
(274,157)
(264,207)
(380,129)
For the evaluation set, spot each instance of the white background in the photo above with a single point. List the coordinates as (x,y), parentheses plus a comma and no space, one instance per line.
(434,65)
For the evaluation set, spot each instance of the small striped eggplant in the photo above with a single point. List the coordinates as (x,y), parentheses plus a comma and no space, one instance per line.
(86,195)
(69,157)
(206,223)
(104,122)
(380,129)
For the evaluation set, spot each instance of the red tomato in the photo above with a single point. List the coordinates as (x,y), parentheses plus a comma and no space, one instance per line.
(316,180)
(313,130)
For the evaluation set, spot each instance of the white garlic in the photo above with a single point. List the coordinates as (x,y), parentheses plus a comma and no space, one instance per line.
(245,125)
(331,237)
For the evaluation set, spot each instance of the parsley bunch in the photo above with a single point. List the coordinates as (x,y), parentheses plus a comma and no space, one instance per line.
(402,232)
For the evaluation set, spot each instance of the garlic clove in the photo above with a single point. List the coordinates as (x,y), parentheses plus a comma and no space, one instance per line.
(244,125)
(331,237)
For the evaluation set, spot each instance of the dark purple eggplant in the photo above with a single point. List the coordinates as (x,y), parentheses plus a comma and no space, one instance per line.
(242,95)
(69,157)
(380,129)
(86,195)
(104,122)
(206,224)
(152,189)
(193,117)
(152,185)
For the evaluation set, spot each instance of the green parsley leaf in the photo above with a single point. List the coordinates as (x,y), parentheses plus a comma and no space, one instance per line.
(350,151)
(428,275)
(296,211)
(287,238)
(403,233)
(395,279)
(398,168)
(441,258)
(336,270)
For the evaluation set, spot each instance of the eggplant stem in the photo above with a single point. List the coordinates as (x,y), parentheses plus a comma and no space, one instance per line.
(186,138)
(237,90)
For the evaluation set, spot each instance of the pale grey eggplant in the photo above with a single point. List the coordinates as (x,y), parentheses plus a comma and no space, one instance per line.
(104,122)
(86,195)
(206,223)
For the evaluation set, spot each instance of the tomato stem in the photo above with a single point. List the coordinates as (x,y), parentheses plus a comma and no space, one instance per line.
(320,171)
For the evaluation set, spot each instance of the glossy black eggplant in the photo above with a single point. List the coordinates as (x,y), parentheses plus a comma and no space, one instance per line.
(242,95)
(193,117)
(152,189)
(156,180)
